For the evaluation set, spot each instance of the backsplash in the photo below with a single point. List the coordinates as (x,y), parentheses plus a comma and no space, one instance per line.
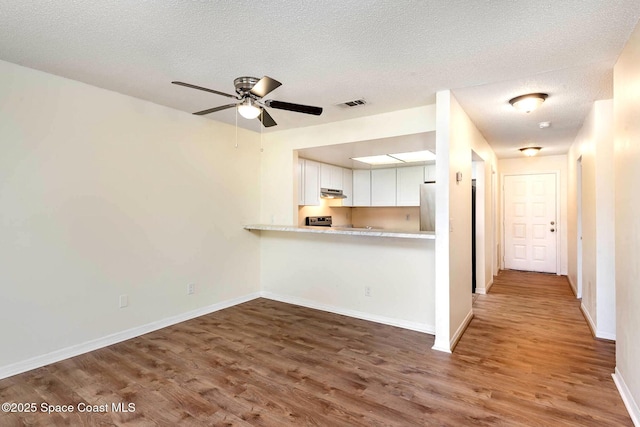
(339,215)
(389,218)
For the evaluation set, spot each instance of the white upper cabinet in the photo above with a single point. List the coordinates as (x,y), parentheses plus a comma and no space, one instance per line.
(361,187)
(408,181)
(383,187)
(330,176)
(311,178)
(430,173)
(300,182)
(347,187)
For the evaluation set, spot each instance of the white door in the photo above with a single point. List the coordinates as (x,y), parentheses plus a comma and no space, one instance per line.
(530,223)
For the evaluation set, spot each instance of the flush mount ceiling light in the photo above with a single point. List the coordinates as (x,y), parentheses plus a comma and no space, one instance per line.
(528,102)
(530,151)
(248,110)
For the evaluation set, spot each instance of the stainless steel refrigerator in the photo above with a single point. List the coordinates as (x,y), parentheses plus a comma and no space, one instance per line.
(428,206)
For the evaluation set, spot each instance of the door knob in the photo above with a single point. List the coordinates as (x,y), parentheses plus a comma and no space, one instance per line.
(553,229)
(553,223)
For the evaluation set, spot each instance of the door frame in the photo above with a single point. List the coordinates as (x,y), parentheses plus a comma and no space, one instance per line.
(579,227)
(502,213)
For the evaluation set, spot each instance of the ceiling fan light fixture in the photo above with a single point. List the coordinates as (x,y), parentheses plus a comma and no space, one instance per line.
(248,110)
(530,151)
(528,102)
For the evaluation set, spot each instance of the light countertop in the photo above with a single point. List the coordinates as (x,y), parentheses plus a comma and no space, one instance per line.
(425,235)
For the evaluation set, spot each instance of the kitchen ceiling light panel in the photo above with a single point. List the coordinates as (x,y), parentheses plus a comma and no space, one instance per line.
(415,156)
(382,159)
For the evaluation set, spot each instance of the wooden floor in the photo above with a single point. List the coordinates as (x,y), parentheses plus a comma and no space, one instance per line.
(527,359)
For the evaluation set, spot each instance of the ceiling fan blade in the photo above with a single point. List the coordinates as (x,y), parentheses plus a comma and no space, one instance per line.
(306,109)
(213,110)
(266,119)
(264,86)
(204,88)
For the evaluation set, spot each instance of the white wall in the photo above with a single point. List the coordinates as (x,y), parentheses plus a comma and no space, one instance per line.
(594,146)
(626,110)
(456,137)
(330,272)
(101,195)
(542,164)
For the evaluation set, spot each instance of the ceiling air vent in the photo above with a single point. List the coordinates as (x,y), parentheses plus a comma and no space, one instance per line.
(354,103)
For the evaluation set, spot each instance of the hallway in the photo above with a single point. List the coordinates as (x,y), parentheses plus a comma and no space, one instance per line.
(534,350)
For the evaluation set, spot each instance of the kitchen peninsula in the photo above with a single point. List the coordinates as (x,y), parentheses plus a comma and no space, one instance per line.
(378,275)
(429,235)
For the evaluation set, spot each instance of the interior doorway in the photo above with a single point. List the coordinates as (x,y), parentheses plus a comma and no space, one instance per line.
(530,227)
(473,237)
(579,228)
(481,259)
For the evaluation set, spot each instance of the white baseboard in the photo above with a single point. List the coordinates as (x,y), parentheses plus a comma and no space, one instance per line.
(485,289)
(597,333)
(78,349)
(573,286)
(441,346)
(414,326)
(588,318)
(605,335)
(463,327)
(627,398)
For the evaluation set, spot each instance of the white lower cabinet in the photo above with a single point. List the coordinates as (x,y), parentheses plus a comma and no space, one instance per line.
(383,187)
(361,187)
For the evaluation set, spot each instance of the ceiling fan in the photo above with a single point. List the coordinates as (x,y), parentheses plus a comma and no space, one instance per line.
(250,91)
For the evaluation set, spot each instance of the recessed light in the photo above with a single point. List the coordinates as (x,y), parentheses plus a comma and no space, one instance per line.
(544,125)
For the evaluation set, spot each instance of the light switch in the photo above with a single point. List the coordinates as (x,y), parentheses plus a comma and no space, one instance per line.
(451,225)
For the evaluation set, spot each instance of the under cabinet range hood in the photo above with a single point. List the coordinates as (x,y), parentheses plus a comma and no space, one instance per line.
(330,193)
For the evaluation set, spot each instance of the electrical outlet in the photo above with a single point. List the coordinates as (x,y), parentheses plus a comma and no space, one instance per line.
(124,300)
(191,288)
(367,291)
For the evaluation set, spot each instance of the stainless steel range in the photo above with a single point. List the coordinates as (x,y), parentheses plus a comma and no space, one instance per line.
(318,221)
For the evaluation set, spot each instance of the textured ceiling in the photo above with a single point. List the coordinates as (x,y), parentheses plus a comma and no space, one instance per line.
(395,54)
